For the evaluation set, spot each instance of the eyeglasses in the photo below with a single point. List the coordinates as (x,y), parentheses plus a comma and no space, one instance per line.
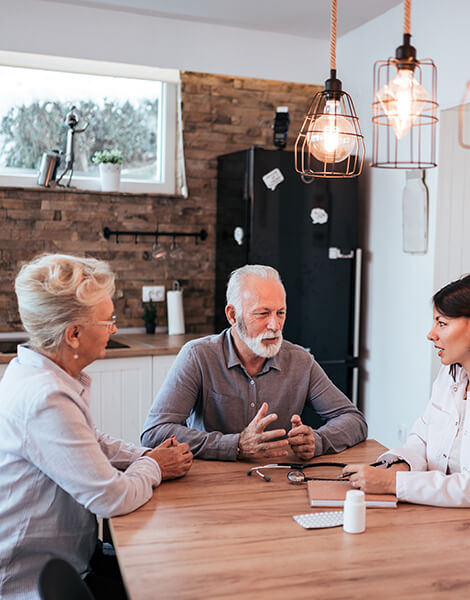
(109,323)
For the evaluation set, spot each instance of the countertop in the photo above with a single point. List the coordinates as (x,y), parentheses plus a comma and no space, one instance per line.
(140,344)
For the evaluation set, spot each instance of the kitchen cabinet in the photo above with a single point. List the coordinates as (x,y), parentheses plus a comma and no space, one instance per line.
(160,367)
(121,395)
(122,392)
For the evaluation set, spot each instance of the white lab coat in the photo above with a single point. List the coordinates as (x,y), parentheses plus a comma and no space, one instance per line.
(428,447)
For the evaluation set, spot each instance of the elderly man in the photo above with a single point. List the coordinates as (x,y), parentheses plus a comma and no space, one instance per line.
(239,394)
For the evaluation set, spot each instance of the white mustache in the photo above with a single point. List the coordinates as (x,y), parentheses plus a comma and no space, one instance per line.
(271,336)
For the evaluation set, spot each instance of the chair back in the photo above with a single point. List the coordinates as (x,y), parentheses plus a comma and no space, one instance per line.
(58,580)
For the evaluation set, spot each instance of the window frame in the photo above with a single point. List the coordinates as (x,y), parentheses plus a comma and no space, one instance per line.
(167,110)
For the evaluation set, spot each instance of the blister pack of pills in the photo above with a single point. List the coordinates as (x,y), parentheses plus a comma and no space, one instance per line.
(320,519)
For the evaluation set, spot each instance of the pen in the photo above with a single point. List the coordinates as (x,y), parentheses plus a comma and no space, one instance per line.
(345,476)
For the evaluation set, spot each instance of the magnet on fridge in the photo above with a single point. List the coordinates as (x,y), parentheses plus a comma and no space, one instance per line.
(273,179)
(319,216)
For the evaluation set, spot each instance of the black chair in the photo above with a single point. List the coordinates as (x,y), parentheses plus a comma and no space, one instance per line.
(58,580)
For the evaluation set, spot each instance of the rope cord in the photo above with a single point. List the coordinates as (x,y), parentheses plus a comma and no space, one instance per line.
(334,8)
(407,17)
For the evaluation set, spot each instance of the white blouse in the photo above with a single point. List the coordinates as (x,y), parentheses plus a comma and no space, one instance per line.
(57,472)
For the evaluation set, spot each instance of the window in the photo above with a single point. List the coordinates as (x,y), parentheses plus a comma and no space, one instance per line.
(130,108)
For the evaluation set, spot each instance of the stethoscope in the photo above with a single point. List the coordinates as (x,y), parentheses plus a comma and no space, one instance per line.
(296,475)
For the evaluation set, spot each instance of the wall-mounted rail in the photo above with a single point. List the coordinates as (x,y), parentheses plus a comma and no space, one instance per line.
(199,235)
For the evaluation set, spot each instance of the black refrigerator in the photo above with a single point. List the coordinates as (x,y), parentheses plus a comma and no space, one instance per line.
(308,231)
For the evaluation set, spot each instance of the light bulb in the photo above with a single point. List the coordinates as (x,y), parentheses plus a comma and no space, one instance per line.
(331,137)
(403,100)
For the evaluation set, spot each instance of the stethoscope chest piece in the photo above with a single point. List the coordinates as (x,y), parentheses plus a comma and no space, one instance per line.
(296,477)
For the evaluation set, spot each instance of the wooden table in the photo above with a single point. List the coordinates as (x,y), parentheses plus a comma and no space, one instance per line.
(219,534)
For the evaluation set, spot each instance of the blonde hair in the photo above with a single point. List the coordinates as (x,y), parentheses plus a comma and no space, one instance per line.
(235,282)
(57,290)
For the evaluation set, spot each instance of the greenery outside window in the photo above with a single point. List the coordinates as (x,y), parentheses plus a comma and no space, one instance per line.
(128,108)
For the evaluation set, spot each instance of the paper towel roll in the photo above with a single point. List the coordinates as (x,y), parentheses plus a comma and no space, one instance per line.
(174,304)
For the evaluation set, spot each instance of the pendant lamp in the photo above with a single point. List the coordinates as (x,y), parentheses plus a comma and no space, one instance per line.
(330,143)
(404,108)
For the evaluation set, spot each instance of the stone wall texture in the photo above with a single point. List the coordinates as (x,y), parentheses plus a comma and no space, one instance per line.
(220,115)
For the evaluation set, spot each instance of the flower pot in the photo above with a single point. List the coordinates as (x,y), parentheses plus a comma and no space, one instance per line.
(110,175)
(150,327)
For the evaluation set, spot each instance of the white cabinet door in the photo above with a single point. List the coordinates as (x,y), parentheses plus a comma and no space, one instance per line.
(160,368)
(121,395)
(3,368)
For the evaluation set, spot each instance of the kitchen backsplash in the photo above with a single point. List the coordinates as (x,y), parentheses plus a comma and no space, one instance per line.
(220,115)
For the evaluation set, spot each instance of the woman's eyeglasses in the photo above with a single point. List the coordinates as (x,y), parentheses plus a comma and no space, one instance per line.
(109,323)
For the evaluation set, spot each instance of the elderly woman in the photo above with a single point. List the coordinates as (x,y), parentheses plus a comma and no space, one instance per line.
(433,467)
(57,472)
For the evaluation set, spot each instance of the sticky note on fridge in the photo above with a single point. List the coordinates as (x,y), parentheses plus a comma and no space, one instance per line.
(273,179)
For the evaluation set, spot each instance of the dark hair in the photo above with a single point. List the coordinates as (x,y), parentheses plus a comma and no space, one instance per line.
(453,301)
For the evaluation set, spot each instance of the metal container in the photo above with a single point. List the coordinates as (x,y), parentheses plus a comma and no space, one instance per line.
(48,169)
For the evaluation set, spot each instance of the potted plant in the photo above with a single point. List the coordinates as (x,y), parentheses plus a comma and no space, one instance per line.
(150,316)
(110,162)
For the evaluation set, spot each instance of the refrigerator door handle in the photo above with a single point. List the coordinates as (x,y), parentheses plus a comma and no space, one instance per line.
(357,301)
(355,385)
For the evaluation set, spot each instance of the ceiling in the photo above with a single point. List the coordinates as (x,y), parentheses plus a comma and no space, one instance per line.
(304,18)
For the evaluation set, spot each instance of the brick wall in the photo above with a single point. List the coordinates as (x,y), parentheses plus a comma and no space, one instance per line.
(220,115)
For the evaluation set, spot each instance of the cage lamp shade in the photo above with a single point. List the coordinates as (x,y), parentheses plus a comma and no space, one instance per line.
(404,111)
(330,142)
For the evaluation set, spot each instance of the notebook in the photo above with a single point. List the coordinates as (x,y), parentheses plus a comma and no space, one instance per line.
(333,493)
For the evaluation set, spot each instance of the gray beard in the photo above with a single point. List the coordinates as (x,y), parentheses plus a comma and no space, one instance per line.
(255,344)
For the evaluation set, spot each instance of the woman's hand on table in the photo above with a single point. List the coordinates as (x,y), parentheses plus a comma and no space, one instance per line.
(373,480)
(173,458)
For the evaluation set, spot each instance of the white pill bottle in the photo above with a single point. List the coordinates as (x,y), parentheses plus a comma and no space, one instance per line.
(354,512)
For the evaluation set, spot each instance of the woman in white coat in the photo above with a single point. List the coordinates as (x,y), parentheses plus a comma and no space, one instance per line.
(433,467)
